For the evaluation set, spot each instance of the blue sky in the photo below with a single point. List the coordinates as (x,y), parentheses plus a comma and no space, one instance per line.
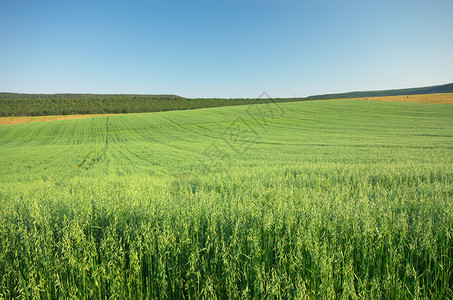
(225,48)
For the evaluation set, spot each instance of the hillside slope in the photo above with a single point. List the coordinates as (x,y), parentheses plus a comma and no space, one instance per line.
(445,88)
(12,104)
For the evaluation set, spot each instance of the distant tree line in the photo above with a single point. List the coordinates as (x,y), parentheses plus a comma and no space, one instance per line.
(438,89)
(12,104)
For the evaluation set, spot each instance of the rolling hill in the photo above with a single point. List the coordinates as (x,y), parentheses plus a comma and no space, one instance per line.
(14,104)
(437,89)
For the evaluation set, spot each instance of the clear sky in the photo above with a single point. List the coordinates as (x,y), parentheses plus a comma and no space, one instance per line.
(224,48)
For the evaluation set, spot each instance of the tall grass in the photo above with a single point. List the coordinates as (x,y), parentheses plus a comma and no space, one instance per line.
(320,207)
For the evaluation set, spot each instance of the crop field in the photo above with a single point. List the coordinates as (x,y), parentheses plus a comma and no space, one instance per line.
(23,119)
(444,98)
(317,199)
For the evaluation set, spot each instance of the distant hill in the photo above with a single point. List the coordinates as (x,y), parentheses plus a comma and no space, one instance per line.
(14,104)
(437,89)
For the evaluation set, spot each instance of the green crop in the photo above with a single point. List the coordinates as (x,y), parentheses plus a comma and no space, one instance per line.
(325,199)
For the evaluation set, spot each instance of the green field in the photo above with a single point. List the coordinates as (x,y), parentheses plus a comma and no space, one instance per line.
(323,199)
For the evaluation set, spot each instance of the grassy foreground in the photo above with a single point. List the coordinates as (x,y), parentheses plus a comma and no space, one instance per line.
(323,199)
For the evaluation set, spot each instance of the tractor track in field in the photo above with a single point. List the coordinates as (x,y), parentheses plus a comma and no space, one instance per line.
(214,137)
(92,158)
(179,125)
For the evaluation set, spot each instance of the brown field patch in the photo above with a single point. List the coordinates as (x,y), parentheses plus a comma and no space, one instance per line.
(17,120)
(446,98)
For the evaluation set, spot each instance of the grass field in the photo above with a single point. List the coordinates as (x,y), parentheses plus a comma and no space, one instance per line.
(320,199)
